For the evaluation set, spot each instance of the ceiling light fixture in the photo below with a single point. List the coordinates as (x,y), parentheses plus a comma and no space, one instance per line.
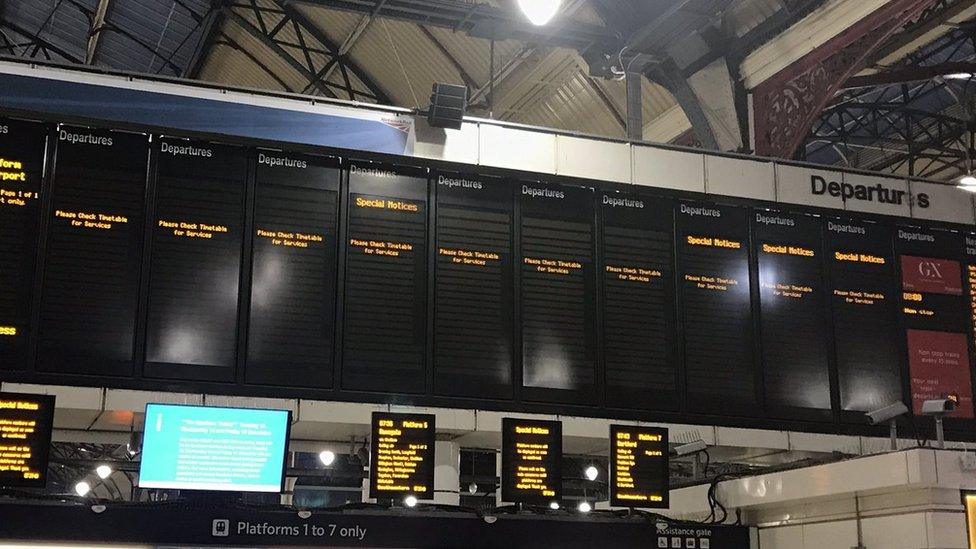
(539,12)
(968,183)
(327,457)
(82,488)
(103,471)
(958,76)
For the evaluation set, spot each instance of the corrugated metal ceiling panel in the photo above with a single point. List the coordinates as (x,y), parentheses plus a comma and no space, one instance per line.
(401,57)
(166,34)
(62,25)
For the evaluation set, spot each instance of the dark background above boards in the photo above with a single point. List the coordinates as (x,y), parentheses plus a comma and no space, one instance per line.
(235,269)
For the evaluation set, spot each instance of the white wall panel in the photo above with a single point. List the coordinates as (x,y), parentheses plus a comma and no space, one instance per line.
(518,149)
(895,187)
(896,532)
(831,534)
(669,169)
(592,159)
(444,144)
(784,537)
(737,177)
(793,185)
(945,202)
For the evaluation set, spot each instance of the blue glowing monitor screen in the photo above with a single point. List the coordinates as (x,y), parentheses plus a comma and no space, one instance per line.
(206,448)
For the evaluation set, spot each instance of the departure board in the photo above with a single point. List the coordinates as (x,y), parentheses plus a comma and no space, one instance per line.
(473,290)
(935,317)
(638,301)
(94,252)
(196,260)
(532,457)
(558,284)
(969,277)
(21,165)
(385,308)
(291,324)
(713,259)
(639,472)
(792,306)
(26,424)
(401,458)
(863,304)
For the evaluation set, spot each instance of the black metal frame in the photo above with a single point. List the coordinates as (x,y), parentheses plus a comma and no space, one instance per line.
(908,120)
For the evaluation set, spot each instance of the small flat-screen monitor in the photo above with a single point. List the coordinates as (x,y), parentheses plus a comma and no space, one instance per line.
(210,448)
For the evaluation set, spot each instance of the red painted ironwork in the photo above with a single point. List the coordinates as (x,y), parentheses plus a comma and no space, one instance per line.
(786,104)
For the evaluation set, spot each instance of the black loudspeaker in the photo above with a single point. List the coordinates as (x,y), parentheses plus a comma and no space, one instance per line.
(447,105)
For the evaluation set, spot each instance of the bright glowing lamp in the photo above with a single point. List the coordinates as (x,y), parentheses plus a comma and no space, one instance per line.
(968,182)
(82,488)
(540,12)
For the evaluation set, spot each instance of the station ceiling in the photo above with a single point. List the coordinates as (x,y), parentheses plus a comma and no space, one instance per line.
(392,51)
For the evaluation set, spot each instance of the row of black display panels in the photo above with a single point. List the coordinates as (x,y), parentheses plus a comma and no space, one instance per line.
(145,244)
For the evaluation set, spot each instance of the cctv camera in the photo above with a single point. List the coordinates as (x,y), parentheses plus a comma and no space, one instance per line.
(690,448)
(887,413)
(939,406)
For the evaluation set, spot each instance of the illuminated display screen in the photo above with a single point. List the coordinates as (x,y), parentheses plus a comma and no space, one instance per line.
(401,456)
(792,312)
(291,326)
(558,286)
(94,252)
(713,274)
(532,458)
(385,307)
(473,290)
(211,448)
(969,276)
(196,260)
(639,467)
(26,423)
(935,315)
(638,301)
(863,301)
(21,165)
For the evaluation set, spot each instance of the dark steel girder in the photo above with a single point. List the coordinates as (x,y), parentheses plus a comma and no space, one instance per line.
(268,42)
(208,34)
(345,63)
(39,45)
(480,20)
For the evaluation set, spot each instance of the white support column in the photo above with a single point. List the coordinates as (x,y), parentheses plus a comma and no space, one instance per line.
(447,464)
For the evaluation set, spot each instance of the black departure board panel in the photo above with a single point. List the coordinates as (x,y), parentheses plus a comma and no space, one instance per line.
(26,423)
(558,283)
(196,260)
(21,166)
(293,274)
(385,307)
(639,473)
(532,457)
(969,278)
(713,274)
(863,301)
(473,290)
(94,252)
(638,301)
(935,317)
(401,458)
(792,303)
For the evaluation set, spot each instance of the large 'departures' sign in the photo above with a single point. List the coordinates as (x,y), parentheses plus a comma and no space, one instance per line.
(872,194)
